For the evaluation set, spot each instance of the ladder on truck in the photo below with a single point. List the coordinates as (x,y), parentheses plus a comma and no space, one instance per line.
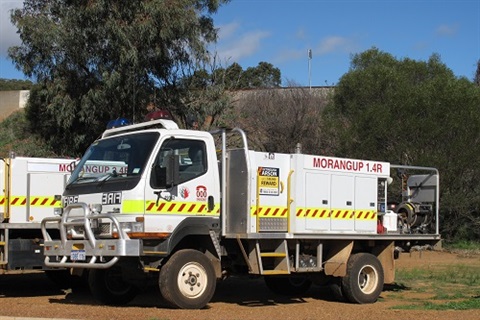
(274,260)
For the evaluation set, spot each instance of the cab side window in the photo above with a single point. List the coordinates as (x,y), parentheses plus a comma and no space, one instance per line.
(192,158)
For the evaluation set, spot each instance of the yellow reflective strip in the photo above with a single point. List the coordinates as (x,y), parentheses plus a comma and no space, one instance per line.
(133,206)
(18,201)
(34,201)
(269,212)
(365,215)
(40,201)
(173,207)
(342,214)
(314,213)
(163,207)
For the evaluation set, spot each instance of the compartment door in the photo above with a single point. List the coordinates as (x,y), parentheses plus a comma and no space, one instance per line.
(342,214)
(317,201)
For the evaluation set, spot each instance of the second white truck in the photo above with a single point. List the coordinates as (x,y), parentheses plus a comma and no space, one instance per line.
(30,190)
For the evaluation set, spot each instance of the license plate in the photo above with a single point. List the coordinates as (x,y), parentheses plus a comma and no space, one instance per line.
(78,255)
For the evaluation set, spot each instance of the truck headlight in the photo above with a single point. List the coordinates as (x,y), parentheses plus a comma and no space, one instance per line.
(131,226)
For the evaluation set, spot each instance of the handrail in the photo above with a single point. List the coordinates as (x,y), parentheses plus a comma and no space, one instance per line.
(223,132)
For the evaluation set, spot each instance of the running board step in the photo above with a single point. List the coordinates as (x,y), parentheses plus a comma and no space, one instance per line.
(275,261)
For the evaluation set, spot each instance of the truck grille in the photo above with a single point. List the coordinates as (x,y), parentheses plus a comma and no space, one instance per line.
(105,228)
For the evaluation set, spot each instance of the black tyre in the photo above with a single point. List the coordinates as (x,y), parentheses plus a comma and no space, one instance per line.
(335,286)
(108,287)
(288,286)
(187,280)
(63,279)
(364,280)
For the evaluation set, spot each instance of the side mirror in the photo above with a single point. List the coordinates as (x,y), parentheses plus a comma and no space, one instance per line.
(173,170)
(168,176)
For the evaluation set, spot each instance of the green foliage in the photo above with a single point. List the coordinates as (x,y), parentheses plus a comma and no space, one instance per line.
(16,136)
(98,60)
(204,99)
(6,84)
(206,92)
(264,75)
(415,113)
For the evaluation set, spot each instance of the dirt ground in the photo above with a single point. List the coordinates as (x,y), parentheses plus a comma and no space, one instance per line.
(33,295)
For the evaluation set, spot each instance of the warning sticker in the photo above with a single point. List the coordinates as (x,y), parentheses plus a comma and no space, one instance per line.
(269,181)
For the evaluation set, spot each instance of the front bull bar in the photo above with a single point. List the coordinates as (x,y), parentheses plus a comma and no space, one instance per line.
(96,249)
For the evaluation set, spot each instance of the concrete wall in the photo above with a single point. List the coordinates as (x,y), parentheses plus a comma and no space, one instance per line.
(11,101)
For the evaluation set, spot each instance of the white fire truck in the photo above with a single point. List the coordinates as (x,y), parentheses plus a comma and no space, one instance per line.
(186,208)
(31,189)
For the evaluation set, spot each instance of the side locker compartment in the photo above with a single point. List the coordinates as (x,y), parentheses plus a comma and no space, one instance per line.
(342,215)
(366,204)
(42,188)
(317,201)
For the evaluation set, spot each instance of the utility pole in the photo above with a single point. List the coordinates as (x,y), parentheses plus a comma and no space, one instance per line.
(310,68)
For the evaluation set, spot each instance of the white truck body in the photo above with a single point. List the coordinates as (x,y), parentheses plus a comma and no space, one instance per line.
(31,190)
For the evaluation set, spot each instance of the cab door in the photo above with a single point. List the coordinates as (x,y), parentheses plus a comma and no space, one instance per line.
(195,191)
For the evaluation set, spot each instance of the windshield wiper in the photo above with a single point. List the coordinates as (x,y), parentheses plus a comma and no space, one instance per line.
(108,176)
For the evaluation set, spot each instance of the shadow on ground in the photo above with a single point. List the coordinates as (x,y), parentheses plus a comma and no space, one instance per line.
(243,291)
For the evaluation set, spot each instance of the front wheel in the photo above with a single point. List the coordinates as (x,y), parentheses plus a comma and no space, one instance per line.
(187,280)
(108,287)
(363,282)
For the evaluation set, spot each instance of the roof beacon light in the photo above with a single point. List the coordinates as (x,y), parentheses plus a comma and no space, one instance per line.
(119,122)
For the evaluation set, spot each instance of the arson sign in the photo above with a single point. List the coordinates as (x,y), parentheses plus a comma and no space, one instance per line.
(269,181)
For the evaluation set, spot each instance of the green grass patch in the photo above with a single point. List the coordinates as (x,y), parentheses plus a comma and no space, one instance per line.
(463,245)
(467,304)
(459,274)
(449,288)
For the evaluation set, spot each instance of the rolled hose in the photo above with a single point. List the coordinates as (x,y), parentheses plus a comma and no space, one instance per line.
(406,211)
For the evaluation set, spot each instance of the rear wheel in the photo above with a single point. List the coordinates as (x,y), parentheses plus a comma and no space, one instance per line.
(363,282)
(108,286)
(187,280)
(289,286)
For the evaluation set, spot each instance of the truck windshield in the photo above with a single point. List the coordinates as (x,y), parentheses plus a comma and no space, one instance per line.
(115,157)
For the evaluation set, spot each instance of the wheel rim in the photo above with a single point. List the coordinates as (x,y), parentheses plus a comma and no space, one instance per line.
(192,280)
(368,279)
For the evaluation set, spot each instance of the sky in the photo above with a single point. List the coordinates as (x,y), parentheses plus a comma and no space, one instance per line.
(282,32)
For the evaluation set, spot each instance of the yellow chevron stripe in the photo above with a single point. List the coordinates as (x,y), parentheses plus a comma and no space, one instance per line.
(181,208)
(336,214)
(35,201)
(269,212)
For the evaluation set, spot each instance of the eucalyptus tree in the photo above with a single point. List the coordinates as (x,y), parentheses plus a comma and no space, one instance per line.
(417,113)
(98,60)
